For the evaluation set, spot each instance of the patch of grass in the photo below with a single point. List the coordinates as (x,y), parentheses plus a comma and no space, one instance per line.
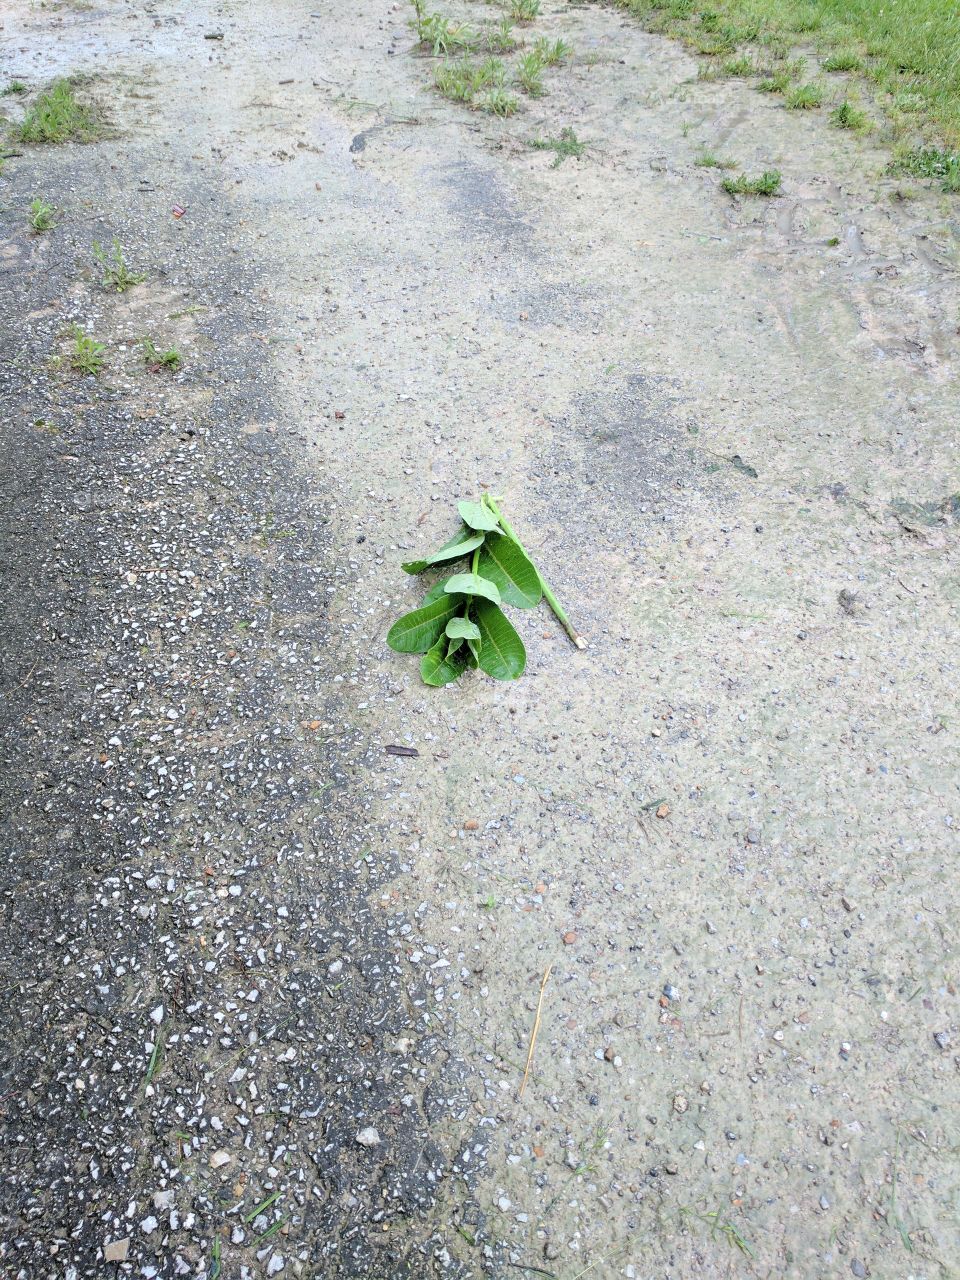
(117,276)
(567,145)
(552,52)
(500,103)
(523,11)
(779,82)
(15,86)
(57,116)
(462,81)
(768,184)
(500,39)
(739,67)
(86,355)
(909,46)
(530,74)
(707,160)
(157,360)
(842,60)
(804,97)
(847,116)
(930,162)
(40,216)
(437,33)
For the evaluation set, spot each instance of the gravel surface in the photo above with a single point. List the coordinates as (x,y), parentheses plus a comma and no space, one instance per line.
(269,984)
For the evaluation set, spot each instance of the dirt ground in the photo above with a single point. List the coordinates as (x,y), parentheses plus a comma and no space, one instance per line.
(269,989)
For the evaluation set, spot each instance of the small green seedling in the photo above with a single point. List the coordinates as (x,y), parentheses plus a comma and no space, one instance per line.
(768,184)
(157,360)
(438,34)
(500,39)
(500,103)
(87,354)
(15,86)
(460,624)
(568,144)
(707,160)
(117,276)
(40,216)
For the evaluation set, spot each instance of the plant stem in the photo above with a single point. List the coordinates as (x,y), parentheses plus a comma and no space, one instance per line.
(550,598)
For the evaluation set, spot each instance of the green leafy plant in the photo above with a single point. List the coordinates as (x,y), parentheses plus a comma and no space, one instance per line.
(57,116)
(847,116)
(568,144)
(15,86)
(116,274)
(500,103)
(40,216)
(707,160)
(500,39)
(524,11)
(768,184)
(460,624)
(439,34)
(157,360)
(930,162)
(530,73)
(86,355)
(552,52)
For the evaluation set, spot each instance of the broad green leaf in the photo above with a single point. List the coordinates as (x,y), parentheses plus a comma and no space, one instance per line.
(474,647)
(461,544)
(471,584)
(415,632)
(506,565)
(453,646)
(436,591)
(476,515)
(437,666)
(463,629)
(502,654)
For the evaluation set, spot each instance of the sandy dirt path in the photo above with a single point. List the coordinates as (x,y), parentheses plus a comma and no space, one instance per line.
(257,961)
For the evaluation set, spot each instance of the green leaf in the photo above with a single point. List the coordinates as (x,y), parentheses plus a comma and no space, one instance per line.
(513,572)
(415,632)
(461,544)
(502,654)
(474,647)
(477,516)
(436,591)
(471,584)
(463,629)
(438,666)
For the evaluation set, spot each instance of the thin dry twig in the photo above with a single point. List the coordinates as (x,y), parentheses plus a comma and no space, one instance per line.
(533,1033)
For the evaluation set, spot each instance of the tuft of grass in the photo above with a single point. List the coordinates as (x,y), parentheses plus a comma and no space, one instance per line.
(804,97)
(157,360)
(40,216)
(707,160)
(524,11)
(568,144)
(930,162)
(768,184)
(500,39)
(462,81)
(552,52)
(117,276)
(530,74)
(739,67)
(778,82)
(57,116)
(847,116)
(15,86)
(439,34)
(86,356)
(500,103)
(842,60)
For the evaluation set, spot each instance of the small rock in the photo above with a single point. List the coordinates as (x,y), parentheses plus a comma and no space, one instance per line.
(942,1039)
(368,1137)
(275,1264)
(663,811)
(824,1203)
(569,938)
(149,1225)
(680,1104)
(857,1267)
(671,1167)
(671,992)
(116,1250)
(156,1015)
(219,1159)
